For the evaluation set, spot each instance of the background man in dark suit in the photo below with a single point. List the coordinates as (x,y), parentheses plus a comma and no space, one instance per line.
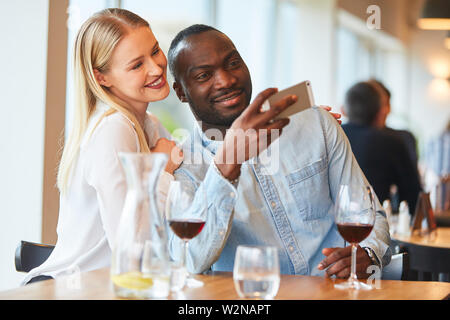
(382,156)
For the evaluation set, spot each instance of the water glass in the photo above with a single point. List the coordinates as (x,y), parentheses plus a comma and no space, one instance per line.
(256,272)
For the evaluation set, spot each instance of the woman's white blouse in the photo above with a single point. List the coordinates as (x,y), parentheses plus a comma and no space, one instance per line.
(90,210)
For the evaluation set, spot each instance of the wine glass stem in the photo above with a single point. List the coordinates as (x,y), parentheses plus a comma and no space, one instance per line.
(353,262)
(188,274)
(185,252)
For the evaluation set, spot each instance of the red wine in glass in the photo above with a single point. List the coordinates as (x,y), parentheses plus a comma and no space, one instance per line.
(186,213)
(354,216)
(354,232)
(186,229)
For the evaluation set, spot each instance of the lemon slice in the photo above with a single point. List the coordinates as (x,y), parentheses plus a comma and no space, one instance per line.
(132,280)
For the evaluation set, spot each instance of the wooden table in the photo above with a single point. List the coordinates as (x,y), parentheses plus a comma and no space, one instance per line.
(96,285)
(438,239)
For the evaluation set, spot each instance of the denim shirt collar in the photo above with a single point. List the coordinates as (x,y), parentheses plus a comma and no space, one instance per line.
(208,144)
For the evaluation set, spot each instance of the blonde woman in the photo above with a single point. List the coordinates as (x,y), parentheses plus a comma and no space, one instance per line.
(119,69)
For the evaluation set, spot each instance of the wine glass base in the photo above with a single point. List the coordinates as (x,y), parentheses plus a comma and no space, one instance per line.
(353,285)
(193,283)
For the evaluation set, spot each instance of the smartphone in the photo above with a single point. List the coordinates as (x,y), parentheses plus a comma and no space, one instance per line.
(303,91)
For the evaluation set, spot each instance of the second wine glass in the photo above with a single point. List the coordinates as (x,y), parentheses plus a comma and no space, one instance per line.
(186,211)
(355,217)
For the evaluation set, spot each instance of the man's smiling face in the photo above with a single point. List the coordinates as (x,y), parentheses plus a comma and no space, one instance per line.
(212,77)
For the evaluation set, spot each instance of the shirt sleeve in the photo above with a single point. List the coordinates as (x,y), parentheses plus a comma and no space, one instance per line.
(344,169)
(205,249)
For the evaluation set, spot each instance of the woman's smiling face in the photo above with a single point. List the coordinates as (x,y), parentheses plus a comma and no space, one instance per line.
(137,73)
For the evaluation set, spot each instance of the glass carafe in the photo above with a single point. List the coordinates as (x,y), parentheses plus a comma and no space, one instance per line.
(140,261)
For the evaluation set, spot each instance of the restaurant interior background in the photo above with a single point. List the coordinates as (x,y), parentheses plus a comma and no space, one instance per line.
(332,43)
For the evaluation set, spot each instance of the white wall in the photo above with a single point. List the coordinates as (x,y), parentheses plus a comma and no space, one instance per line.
(23,56)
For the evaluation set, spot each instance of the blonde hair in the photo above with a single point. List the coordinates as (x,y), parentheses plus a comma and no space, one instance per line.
(93,49)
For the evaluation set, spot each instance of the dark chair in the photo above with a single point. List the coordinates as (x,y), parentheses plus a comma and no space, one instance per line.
(443,221)
(427,263)
(30,255)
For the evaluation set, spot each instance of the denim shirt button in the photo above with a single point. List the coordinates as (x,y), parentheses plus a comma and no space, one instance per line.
(232,194)
(273,204)
(291,248)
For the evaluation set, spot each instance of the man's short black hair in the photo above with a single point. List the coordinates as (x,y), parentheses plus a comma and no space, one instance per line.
(382,86)
(183,34)
(362,103)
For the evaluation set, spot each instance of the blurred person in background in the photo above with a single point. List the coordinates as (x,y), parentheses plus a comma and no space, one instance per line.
(406,136)
(383,157)
(437,171)
(437,154)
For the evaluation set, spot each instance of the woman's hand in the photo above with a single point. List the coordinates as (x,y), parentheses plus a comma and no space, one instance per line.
(337,116)
(174,153)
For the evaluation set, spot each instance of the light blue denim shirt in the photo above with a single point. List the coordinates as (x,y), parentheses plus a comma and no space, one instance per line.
(289,207)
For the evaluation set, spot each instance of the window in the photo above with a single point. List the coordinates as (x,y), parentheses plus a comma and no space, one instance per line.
(284,69)
(363,54)
(353,61)
(252,31)
(166,19)
(79,11)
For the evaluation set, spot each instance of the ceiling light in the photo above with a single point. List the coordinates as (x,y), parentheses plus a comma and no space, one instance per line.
(435,15)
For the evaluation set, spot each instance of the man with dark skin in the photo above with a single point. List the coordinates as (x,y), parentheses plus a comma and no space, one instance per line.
(220,102)
(212,77)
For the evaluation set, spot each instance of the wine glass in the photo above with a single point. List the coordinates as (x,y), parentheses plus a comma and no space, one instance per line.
(355,217)
(186,211)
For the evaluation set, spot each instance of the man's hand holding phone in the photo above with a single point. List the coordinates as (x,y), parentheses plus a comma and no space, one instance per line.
(303,91)
(260,124)
(251,133)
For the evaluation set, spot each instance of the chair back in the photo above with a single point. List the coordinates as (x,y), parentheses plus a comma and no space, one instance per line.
(30,255)
(427,263)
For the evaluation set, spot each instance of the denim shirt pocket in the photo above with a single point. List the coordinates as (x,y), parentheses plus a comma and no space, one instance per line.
(308,186)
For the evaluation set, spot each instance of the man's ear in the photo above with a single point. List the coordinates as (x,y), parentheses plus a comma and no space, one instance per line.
(179,91)
(101,78)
